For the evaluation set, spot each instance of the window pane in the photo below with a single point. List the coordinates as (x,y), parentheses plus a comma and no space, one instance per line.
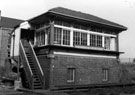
(66,24)
(37,38)
(95,40)
(66,37)
(107,42)
(92,40)
(57,35)
(42,37)
(84,39)
(48,35)
(58,22)
(76,26)
(99,41)
(76,38)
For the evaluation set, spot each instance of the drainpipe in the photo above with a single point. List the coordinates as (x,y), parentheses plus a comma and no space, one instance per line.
(13,45)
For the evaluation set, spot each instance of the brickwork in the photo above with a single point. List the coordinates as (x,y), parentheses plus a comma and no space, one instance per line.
(88,70)
(45,65)
(4,45)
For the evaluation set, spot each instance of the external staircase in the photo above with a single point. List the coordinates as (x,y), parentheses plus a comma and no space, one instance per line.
(33,71)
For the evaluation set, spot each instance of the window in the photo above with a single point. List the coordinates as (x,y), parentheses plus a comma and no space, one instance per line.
(84,39)
(38,38)
(107,43)
(66,24)
(76,38)
(79,38)
(71,75)
(105,73)
(58,22)
(62,23)
(92,40)
(66,37)
(77,26)
(57,35)
(47,35)
(99,41)
(95,40)
(42,37)
(61,36)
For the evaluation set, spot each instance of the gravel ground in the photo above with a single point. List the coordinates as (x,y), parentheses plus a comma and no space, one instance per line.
(8,90)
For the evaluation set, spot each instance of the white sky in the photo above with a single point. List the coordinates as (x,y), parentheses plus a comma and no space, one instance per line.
(119,11)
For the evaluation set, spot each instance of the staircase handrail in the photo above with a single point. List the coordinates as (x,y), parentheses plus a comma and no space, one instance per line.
(28,66)
(36,59)
(26,58)
(42,77)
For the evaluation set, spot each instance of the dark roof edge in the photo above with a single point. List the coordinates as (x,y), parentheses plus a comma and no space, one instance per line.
(120,27)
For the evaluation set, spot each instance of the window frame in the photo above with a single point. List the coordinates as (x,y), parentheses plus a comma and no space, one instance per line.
(71,77)
(107,42)
(105,74)
(38,41)
(96,40)
(99,38)
(78,38)
(62,35)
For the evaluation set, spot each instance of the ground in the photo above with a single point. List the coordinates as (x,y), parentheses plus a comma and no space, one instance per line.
(9,90)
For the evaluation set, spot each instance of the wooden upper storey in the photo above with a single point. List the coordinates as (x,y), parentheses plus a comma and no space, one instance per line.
(64,27)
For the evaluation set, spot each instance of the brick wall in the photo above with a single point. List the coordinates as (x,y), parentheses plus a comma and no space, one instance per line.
(88,70)
(4,35)
(45,64)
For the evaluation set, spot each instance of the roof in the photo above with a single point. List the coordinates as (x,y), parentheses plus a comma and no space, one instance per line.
(84,16)
(9,22)
(77,15)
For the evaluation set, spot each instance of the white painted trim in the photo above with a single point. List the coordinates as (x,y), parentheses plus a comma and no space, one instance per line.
(42,28)
(86,31)
(103,41)
(83,55)
(71,37)
(88,40)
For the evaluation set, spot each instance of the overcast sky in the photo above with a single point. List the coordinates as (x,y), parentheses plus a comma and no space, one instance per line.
(119,11)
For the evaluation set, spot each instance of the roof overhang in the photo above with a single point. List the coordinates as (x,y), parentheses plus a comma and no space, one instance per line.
(86,21)
(52,14)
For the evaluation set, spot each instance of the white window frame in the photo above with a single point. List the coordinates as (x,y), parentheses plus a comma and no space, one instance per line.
(61,38)
(72,29)
(46,37)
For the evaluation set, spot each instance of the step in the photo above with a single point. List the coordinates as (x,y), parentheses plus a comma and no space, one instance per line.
(37,84)
(36,76)
(37,87)
(30,62)
(32,66)
(27,53)
(36,80)
(29,57)
(34,71)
